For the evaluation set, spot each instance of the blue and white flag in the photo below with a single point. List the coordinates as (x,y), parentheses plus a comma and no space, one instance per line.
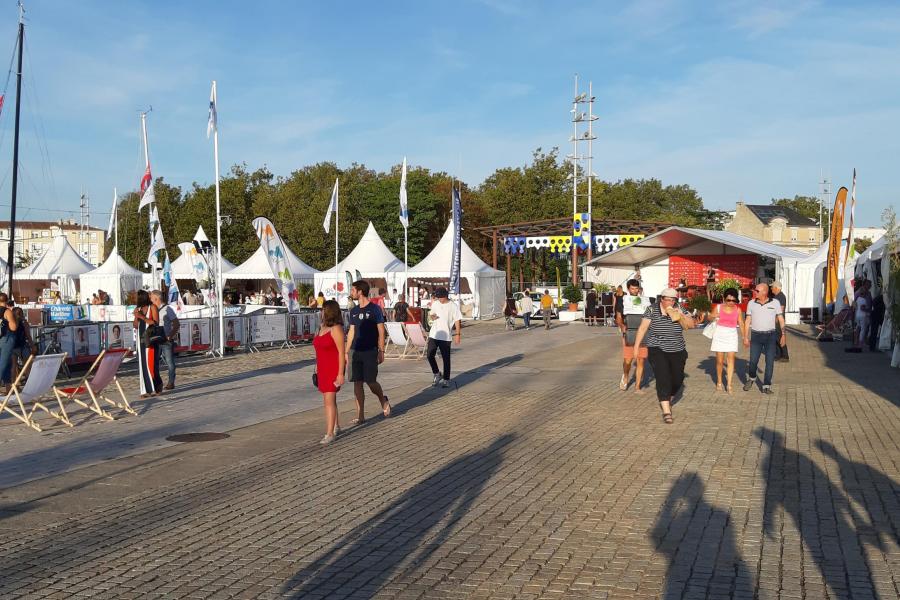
(404,207)
(457,243)
(173,297)
(213,123)
(332,207)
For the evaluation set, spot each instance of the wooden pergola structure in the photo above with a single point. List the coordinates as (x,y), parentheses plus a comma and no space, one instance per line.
(563,226)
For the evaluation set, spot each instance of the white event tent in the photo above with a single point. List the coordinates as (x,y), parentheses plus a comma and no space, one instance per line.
(371,258)
(257,267)
(115,277)
(486,284)
(182,267)
(60,263)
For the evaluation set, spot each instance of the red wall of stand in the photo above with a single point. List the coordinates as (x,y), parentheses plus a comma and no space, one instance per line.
(693,269)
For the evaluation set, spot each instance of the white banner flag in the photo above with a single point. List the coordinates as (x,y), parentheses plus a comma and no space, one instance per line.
(148,198)
(404,208)
(332,206)
(272,245)
(158,244)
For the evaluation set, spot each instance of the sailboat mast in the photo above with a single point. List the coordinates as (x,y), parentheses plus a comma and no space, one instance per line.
(11,254)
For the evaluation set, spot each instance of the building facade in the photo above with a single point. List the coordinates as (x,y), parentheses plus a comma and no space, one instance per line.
(777,225)
(33,239)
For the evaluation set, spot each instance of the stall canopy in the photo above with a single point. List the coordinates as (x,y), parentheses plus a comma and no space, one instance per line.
(681,240)
(257,267)
(60,263)
(488,285)
(115,276)
(371,258)
(182,267)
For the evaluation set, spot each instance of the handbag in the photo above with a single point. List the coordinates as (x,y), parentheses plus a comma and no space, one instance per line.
(154,335)
(315,379)
(710,330)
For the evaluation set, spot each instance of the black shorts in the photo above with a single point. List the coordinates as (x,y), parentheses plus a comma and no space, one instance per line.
(364,365)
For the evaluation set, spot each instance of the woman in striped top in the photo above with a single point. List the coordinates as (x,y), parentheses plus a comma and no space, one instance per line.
(663,326)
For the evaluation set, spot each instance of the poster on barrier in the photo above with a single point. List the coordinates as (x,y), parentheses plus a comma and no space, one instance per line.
(193,335)
(120,335)
(101,312)
(267,328)
(234,332)
(82,342)
(303,326)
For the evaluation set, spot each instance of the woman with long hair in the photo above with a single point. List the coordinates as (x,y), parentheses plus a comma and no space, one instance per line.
(330,362)
(725,341)
(146,315)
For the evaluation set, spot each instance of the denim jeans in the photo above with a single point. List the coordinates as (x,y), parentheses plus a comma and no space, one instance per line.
(762,342)
(167,353)
(527,318)
(7,345)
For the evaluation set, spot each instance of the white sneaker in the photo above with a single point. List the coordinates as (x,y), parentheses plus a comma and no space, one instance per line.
(445,383)
(623,384)
(436,381)
(327,440)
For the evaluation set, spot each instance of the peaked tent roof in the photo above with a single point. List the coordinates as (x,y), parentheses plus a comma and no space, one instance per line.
(60,259)
(200,236)
(371,255)
(115,265)
(182,268)
(672,239)
(257,267)
(438,260)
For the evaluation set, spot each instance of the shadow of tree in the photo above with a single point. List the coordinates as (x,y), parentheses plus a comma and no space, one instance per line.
(821,514)
(700,542)
(404,534)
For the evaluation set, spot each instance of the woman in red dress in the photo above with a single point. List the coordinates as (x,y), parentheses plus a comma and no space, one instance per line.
(329,345)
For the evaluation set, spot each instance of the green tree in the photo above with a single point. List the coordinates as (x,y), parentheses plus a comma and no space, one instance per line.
(860,245)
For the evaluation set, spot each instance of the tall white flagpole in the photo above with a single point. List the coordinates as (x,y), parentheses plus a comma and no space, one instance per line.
(116,238)
(337,226)
(220,303)
(147,166)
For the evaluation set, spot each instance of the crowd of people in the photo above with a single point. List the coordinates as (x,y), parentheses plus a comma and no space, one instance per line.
(654,332)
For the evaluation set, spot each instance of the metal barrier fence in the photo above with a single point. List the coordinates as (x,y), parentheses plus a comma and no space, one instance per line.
(84,340)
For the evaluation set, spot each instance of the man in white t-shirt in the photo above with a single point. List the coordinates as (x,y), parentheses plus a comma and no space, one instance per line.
(527,309)
(444,317)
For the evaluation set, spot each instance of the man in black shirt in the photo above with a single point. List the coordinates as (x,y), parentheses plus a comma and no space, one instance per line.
(781,352)
(365,349)
(401,309)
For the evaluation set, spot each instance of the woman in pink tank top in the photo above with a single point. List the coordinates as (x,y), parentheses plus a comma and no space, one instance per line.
(729,322)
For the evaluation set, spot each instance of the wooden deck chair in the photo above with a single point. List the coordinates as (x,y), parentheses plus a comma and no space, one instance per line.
(839,326)
(89,393)
(42,371)
(418,343)
(399,345)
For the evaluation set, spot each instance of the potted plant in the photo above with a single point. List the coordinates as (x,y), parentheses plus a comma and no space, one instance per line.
(573,296)
(701,306)
(721,286)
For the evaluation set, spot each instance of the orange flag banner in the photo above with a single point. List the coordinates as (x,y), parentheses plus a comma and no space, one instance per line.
(834,247)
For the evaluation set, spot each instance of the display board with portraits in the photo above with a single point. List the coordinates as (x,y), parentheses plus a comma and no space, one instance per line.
(80,342)
(119,335)
(193,335)
(303,326)
(235,334)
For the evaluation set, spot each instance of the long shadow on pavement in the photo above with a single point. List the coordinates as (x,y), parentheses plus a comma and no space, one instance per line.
(699,540)
(404,534)
(821,513)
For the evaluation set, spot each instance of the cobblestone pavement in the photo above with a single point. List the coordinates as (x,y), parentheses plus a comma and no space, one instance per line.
(535,477)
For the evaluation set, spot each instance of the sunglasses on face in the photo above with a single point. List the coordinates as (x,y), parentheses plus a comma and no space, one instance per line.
(730,299)
(669,298)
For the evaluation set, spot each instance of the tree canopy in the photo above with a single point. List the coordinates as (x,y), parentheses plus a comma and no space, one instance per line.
(296,205)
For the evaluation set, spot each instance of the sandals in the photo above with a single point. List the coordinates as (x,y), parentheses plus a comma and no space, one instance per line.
(386,408)
(668,419)
(720,387)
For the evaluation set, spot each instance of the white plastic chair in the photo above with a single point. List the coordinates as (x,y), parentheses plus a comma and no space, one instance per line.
(398,343)
(88,393)
(418,343)
(42,371)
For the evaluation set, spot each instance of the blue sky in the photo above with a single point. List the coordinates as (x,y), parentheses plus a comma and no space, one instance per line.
(740,99)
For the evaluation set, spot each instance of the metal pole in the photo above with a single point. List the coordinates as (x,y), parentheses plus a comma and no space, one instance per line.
(337,210)
(15,174)
(590,174)
(575,155)
(147,166)
(220,305)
